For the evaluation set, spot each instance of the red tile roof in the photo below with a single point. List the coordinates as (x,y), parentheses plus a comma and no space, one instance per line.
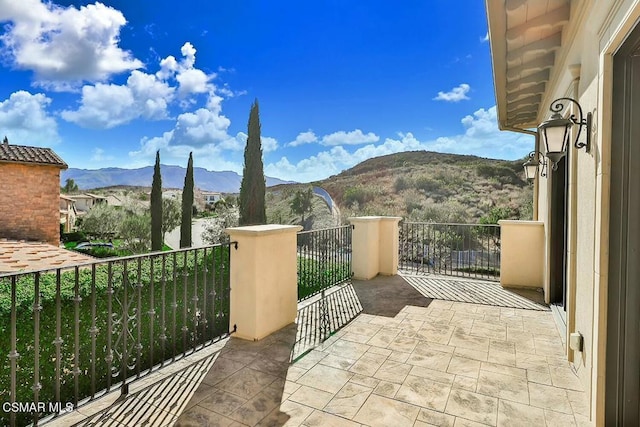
(18,256)
(10,153)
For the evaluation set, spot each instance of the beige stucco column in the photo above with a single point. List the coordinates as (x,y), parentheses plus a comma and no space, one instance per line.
(264,290)
(522,254)
(389,243)
(365,247)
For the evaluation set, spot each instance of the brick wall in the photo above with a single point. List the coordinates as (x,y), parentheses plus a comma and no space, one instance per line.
(30,202)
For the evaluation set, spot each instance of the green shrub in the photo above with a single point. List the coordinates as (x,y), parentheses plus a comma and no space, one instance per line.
(401,183)
(427,184)
(359,194)
(75,236)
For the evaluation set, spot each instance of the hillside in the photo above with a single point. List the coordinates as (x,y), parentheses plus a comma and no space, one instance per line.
(423,185)
(172,177)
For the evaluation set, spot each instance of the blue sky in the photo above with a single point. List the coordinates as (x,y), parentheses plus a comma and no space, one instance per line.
(108,84)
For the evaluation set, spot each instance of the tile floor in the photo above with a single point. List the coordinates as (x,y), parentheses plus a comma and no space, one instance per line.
(448,364)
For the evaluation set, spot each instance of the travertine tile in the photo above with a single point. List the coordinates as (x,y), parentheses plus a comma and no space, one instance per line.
(199,416)
(288,414)
(383,338)
(463,339)
(222,402)
(222,368)
(364,380)
(424,392)
(392,371)
(565,378)
(325,378)
(257,408)
(339,362)
(348,349)
(482,356)
(387,389)
(548,397)
(368,364)
(540,377)
(502,369)
(465,383)
(472,406)
(503,386)
(348,400)
(435,418)
(517,414)
(310,359)
(439,376)
(579,402)
(403,344)
(380,411)
(246,383)
(558,419)
(425,356)
(322,419)
(311,397)
(463,366)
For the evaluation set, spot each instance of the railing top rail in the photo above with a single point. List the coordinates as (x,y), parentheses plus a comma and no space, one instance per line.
(339,227)
(113,259)
(449,223)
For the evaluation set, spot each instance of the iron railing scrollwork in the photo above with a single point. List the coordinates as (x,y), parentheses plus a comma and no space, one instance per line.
(71,335)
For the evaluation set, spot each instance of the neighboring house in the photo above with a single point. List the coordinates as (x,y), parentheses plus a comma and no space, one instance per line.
(85,201)
(30,193)
(210,197)
(589,204)
(68,213)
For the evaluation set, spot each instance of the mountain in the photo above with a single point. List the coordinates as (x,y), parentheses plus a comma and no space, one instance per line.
(429,186)
(172,177)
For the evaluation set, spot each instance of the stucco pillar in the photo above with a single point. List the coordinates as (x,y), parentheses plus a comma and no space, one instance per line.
(522,254)
(365,247)
(389,243)
(264,283)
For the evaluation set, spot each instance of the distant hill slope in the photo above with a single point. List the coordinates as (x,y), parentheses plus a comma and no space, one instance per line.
(172,177)
(428,186)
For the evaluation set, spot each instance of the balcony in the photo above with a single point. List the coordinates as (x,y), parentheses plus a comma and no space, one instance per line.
(416,348)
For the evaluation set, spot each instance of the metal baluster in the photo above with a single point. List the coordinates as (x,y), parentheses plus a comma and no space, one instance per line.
(36,345)
(185,329)
(13,354)
(196,311)
(125,328)
(109,357)
(203,333)
(57,342)
(163,323)
(76,365)
(139,319)
(152,310)
(174,305)
(93,331)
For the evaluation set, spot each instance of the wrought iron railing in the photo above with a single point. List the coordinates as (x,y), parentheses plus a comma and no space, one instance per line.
(74,334)
(469,250)
(324,259)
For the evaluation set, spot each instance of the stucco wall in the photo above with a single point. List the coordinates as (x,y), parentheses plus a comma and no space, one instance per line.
(599,32)
(30,202)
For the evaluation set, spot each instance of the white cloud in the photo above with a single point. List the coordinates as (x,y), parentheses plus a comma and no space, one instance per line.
(354,137)
(307,137)
(148,96)
(485,38)
(99,156)
(268,144)
(481,137)
(25,121)
(454,95)
(109,105)
(64,46)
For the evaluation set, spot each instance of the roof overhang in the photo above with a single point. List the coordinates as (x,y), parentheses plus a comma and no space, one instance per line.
(525,38)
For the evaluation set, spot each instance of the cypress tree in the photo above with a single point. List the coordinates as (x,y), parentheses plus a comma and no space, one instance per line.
(252,189)
(187,206)
(156,207)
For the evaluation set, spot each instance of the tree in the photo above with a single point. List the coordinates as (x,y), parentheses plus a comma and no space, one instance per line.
(135,231)
(170,215)
(226,216)
(70,186)
(156,207)
(102,221)
(252,188)
(187,206)
(302,202)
